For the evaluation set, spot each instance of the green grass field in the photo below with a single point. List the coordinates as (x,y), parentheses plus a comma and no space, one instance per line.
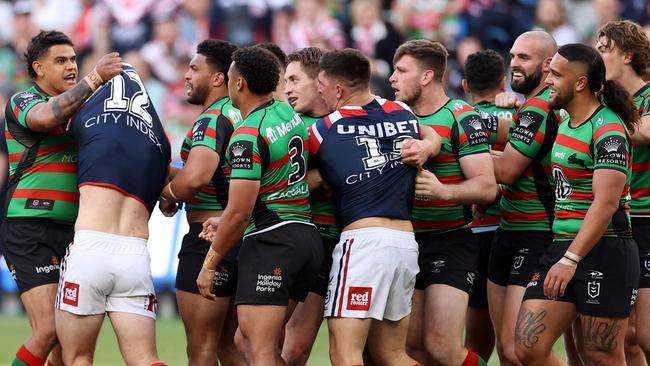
(171,343)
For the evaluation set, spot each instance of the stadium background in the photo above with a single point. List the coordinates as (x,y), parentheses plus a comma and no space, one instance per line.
(158,37)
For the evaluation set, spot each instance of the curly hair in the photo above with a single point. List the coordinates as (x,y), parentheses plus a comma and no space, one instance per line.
(259,67)
(610,92)
(218,54)
(484,70)
(40,44)
(630,37)
(308,58)
(348,64)
(432,55)
(277,52)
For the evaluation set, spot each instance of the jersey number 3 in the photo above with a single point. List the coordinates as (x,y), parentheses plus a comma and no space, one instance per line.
(298,164)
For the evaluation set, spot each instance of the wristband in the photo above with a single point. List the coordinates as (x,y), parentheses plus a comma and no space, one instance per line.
(94,80)
(171,193)
(212,258)
(209,270)
(574,257)
(567,262)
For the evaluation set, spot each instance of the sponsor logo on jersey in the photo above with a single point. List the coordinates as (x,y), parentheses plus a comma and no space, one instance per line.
(71,293)
(573,159)
(595,275)
(633,297)
(275,132)
(47,269)
(198,131)
(380,129)
(474,130)
(470,278)
(528,123)
(533,280)
(241,155)
(39,204)
(23,100)
(611,150)
(359,298)
(593,290)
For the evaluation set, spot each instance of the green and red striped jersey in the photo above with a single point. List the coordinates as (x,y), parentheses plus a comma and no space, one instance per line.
(463,133)
(42,166)
(323,211)
(270,146)
(491,217)
(601,142)
(211,129)
(640,186)
(527,203)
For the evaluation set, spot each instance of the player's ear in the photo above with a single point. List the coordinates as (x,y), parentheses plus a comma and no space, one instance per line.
(502,84)
(38,68)
(465,87)
(546,64)
(427,77)
(581,83)
(628,57)
(218,79)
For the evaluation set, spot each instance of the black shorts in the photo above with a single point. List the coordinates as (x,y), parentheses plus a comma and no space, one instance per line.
(478,298)
(447,259)
(278,265)
(33,249)
(515,255)
(190,262)
(641,232)
(605,282)
(320,286)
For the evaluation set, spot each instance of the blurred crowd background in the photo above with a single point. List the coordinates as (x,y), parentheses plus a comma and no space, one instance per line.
(158,37)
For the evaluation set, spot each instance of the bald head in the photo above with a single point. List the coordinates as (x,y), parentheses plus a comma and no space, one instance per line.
(529,58)
(540,42)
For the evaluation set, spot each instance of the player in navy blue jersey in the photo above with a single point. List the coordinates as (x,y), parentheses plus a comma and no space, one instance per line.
(123,160)
(358,149)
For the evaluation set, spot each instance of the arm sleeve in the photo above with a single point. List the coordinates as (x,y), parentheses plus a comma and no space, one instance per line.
(611,148)
(472,135)
(22,103)
(244,157)
(528,131)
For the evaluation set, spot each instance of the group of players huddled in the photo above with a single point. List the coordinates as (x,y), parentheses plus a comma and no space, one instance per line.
(404,223)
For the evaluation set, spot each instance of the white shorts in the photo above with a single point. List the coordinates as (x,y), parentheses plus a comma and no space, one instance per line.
(373,275)
(105,272)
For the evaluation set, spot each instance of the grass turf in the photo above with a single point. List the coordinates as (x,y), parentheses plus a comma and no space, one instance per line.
(14,330)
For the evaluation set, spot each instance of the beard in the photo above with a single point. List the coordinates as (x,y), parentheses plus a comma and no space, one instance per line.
(412,96)
(529,83)
(560,101)
(198,95)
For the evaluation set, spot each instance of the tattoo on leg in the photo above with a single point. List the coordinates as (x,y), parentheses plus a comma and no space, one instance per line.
(529,326)
(600,333)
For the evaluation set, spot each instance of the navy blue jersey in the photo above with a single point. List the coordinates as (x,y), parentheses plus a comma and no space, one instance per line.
(357,150)
(121,142)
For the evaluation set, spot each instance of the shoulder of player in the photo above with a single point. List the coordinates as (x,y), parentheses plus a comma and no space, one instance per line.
(606,121)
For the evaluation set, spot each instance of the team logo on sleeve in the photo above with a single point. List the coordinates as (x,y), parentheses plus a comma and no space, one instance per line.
(475,130)
(241,155)
(22,100)
(612,151)
(199,129)
(528,123)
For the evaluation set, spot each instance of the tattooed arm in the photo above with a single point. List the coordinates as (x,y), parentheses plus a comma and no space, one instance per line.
(48,115)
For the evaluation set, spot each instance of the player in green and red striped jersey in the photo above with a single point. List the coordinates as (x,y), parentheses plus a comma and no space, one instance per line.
(625,50)
(485,77)
(268,203)
(301,88)
(459,176)
(592,268)
(527,200)
(42,197)
(202,184)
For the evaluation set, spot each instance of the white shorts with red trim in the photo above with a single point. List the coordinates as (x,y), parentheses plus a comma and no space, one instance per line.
(373,274)
(105,272)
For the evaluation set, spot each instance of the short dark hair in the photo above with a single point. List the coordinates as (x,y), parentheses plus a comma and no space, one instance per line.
(484,70)
(277,52)
(40,44)
(259,68)
(609,92)
(432,55)
(218,54)
(628,36)
(349,64)
(308,58)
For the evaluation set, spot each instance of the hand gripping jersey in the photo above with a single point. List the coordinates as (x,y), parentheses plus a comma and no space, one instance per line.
(599,143)
(357,149)
(211,129)
(527,203)
(640,205)
(463,133)
(122,144)
(323,211)
(269,146)
(42,165)
(491,216)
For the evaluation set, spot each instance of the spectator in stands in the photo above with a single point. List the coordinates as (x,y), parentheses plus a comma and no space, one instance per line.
(195,20)
(435,20)
(313,26)
(162,53)
(550,16)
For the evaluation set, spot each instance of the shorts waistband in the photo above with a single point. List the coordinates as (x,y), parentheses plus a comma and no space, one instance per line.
(117,244)
(397,234)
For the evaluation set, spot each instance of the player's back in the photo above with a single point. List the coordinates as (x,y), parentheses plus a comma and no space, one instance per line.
(358,151)
(122,146)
